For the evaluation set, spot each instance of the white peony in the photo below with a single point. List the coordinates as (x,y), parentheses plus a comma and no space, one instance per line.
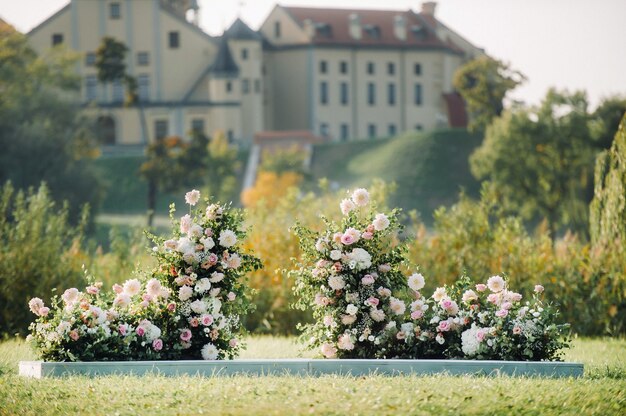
(351,309)
(346,206)
(216,277)
(362,258)
(336,282)
(361,197)
(208,243)
(153,288)
(380,222)
(335,254)
(185,223)
(416,281)
(210,352)
(203,285)
(192,197)
(495,283)
(184,293)
(195,231)
(440,293)
(184,245)
(198,306)
(132,287)
(122,300)
(469,341)
(227,238)
(70,296)
(397,306)
(377,315)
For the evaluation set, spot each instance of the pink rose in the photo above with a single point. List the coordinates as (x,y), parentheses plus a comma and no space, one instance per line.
(118,288)
(144,304)
(493,298)
(74,335)
(207,320)
(171,307)
(443,326)
(370,229)
(231,296)
(507,305)
(417,314)
(480,335)
(140,331)
(372,301)
(539,288)
(185,335)
(367,235)
(401,335)
(157,344)
(517,330)
(92,290)
(44,311)
(368,279)
(122,329)
(194,322)
(233,343)
(481,287)
(328,350)
(502,313)
(347,239)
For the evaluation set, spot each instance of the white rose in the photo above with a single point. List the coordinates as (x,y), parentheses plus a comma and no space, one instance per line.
(335,254)
(227,238)
(380,222)
(416,281)
(351,309)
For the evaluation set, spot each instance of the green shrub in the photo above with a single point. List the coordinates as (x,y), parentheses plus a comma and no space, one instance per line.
(39,252)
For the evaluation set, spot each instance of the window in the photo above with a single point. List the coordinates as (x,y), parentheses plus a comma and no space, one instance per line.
(323,92)
(323,67)
(371,131)
(371,69)
(418,127)
(371,93)
(143,58)
(277,29)
(417,69)
(160,129)
(392,130)
(257,86)
(174,40)
(197,126)
(343,89)
(245,86)
(324,130)
(57,39)
(118,91)
(345,132)
(114,11)
(343,67)
(391,68)
(391,94)
(230,136)
(418,94)
(143,87)
(91,87)
(244,54)
(229,86)
(90,59)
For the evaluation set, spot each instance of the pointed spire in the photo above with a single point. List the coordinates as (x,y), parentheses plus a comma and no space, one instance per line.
(224,64)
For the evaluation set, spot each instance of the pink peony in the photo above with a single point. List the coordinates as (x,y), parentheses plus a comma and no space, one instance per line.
(185,335)
(185,224)
(443,326)
(539,288)
(481,287)
(206,320)
(367,280)
(502,313)
(157,344)
(92,290)
(231,296)
(346,206)
(372,301)
(233,343)
(480,335)
(122,329)
(118,288)
(367,235)
(328,350)
(192,197)
(347,239)
(140,331)
(44,311)
(417,314)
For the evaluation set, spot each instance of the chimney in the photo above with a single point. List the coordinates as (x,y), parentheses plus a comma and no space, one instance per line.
(399,26)
(309,28)
(428,7)
(355,26)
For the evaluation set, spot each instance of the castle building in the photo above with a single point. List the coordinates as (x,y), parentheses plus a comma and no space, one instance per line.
(340,74)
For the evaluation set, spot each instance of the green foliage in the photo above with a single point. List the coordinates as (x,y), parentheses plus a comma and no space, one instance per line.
(39,252)
(608,208)
(484,83)
(540,160)
(43,137)
(280,161)
(220,168)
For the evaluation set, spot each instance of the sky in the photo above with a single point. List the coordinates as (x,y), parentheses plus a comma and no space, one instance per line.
(567,44)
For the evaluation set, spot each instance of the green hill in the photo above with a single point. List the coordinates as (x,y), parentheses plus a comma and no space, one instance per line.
(429,168)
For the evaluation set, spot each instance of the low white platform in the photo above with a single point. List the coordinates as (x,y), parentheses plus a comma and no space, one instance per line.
(303,367)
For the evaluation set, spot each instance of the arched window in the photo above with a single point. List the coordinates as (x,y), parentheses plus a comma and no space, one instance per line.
(105,130)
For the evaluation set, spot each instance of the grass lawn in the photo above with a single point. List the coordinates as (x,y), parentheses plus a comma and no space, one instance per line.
(601,391)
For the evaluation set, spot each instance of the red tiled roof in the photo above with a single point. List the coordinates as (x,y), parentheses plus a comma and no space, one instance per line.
(457,115)
(338,21)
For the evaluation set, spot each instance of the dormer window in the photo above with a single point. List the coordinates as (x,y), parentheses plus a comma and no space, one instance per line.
(372,31)
(418,32)
(324,30)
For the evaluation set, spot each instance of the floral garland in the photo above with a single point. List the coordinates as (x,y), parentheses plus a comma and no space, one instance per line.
(189,307)
(350,275)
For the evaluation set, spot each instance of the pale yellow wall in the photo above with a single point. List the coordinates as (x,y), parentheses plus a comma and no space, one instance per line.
(291,32)
(289,95)
(41,38)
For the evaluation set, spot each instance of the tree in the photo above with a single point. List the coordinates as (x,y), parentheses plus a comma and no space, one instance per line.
(220,168)
(111,67)
(606,120)
(540,160)
(483,83)
(43,135)
(608,208)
